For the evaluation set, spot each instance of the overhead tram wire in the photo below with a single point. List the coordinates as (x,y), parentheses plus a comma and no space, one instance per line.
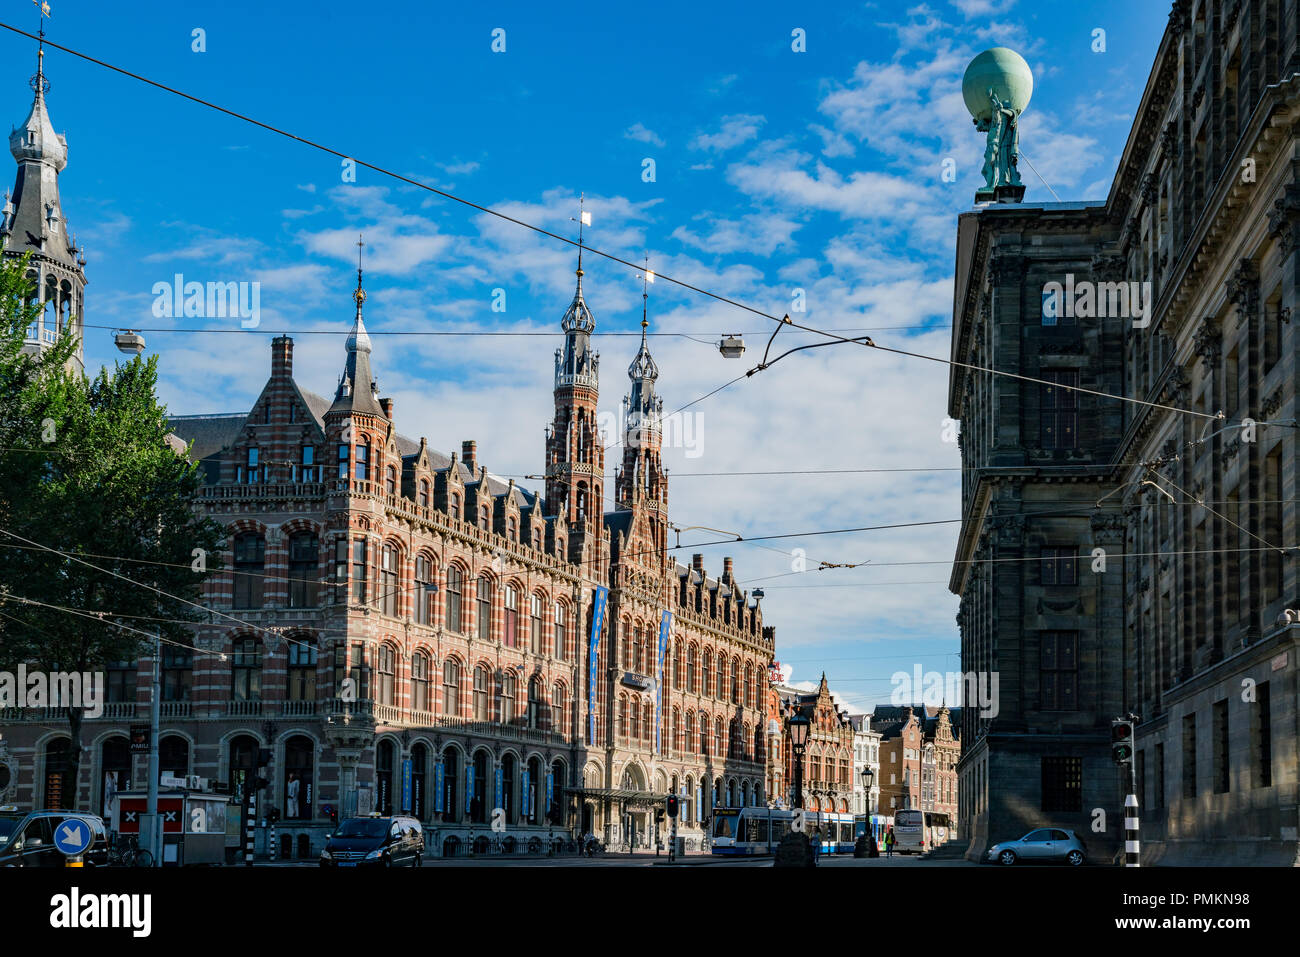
(782,321)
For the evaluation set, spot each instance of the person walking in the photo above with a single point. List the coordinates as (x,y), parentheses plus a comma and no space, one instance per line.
(889,843)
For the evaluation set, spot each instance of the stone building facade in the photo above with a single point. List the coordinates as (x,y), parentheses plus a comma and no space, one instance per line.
(406,632)
(828,757)
(1149,539)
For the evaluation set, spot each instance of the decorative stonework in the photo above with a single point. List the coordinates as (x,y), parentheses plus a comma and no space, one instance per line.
(1243,289)
(1208,341)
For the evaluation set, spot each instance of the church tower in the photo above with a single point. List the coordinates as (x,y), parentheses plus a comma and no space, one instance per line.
(641,483)
(33,222)
(575,457)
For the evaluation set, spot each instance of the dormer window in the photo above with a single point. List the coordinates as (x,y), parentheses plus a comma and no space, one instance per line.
(307,471)
(253,470)
(453,505)
(424,494)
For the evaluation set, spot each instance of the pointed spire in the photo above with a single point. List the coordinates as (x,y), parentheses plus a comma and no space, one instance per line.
(357,388)
(643,368)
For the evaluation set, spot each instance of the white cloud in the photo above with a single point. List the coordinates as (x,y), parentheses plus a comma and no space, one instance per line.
(638,132)
(734,131)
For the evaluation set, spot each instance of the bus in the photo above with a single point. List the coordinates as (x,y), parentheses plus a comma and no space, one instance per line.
(758,830)
(918,831)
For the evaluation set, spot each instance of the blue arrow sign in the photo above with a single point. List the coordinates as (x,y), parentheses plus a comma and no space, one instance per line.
(73,836)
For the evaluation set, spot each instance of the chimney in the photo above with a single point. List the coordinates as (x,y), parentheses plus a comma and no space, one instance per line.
(726,568)
(282,357)
(387,406)
(469,455)
(697,563)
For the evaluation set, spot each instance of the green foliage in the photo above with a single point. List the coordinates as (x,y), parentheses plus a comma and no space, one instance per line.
(85,469)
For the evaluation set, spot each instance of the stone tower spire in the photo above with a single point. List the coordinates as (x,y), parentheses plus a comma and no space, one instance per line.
(575,457)
(33,223)
(357,390)
(641,480)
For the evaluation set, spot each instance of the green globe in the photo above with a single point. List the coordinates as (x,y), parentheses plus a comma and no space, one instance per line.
(1006,72)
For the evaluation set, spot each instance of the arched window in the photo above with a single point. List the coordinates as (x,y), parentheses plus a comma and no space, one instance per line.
(535,702)
(362,470)
(420,681)
(733,680)
(509,691)
(561,632)
(246,670)
(173,756)
(640,652)
(455,590)
(389,589)
(559,711)
(242,755)
(481,693)
(512,616)
(692,685)
(749,688)
(299,754)
(302,670)
(387,675)
(424,595)
(622,717)
(390,481)
(719,743)
(508,771)
(708,673)
(704,734)
(304,569)
(451,687)
(689,743)
(250,563)
(636,720)
(535,640)
(675,740)
(647,723)
(484,609)
(725,677)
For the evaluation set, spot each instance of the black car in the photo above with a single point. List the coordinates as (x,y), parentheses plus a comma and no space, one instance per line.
(27,839)
(375,841)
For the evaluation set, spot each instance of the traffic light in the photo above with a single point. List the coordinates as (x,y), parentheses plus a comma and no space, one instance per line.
(1121,740)
(672,805)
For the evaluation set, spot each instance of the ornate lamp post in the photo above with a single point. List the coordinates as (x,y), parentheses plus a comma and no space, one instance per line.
(799,726)
(868,779)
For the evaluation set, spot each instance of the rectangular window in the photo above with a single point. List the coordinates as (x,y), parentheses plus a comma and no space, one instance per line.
(1062,782)
(1261,733)
(253,470)
(1059,566)
(307,470)
(1222,780)
(343,461)
(1272,533)
(1158,798)
(359,571)
(340,570)
(303,569)
(388,581)
(1059,409)
(1189,756)
(1059,670)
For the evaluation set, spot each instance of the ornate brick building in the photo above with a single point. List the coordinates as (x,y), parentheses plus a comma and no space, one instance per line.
(828,758)
(407,632)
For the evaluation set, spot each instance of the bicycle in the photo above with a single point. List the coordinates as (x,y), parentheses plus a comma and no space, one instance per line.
(127,852)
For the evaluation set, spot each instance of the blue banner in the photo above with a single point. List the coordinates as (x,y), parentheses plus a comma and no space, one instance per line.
(439,786)
(469,785)
(500,788)
(550,790)
(597,619)
(406,785)
(526,795)
(665,625)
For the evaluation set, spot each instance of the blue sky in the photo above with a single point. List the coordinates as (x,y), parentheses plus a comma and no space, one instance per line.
(775,170)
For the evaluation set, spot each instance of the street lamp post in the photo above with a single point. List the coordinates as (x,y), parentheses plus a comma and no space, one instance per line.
(868,779)
(799,726)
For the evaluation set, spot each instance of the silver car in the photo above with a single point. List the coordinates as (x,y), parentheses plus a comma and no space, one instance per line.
(1045,845)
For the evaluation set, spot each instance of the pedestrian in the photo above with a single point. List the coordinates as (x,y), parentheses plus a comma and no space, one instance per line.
(889,843)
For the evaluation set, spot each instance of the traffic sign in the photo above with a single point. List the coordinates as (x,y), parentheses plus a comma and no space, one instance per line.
(73,836)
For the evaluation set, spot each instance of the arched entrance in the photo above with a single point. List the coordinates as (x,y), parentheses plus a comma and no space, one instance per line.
(634,820)
(384,761)
(298,781)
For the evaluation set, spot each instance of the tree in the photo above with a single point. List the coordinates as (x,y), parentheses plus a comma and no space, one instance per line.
(96,510)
